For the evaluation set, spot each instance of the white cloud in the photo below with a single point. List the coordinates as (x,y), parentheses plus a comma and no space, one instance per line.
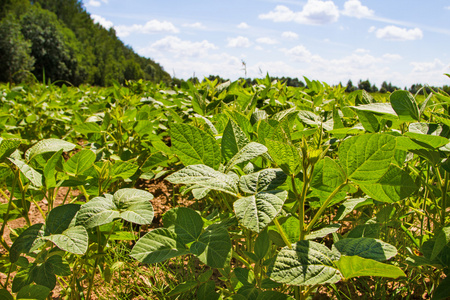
(423,67)
(196,25)
(372,29)
(447,7)
(153,26)
(239,42)
(102,21)
(399,34)
(266,40)
(243,25)
(178,48)
(289,35)
(96,3)
(390,56)
(314,12)
(354,8)
(362,50)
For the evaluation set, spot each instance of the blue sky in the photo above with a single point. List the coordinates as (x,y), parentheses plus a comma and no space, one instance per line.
(401,41)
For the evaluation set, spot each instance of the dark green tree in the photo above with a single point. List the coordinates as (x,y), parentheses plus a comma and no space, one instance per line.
(15,60)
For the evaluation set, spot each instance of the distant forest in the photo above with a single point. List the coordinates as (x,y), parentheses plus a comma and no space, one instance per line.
(57,40)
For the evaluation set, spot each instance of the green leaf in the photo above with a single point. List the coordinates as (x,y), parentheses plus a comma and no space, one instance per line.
(79,162)
(28,241)
(88,127)
(442,239)
(366,248)
(327,175)
(256,212)
(434,141)
(286,156)
(31,174)
(366,158)
(157,246)
(267,179)
(60,218)
(393,186)
(307,263)
(233,140)
(368,120)
(186,223)
(7,147)
(195,146)
(443,290)
(405,105)
(213,247)
(384,109)
(134,205)
(49,169)
(123,169)
(207,291)
(183,288)
(60,267)
(262,244)
(248,152)
(206,177)
(347,206)
(96,212)
(273,295)
(44,275)
(245,276)
(5,295)
(354,266)
(318,234)
(74,240)
(48,145)
(33,292)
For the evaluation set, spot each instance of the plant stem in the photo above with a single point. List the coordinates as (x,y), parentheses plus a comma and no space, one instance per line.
(282,233)
(8,209)
(324,206)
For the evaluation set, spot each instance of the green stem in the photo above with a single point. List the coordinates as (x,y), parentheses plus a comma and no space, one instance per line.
(444,198)
(282,233)
(8,209)
(67,194)
(324,206)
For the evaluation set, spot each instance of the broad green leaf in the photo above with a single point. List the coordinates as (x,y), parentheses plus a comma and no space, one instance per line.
(384,109)
(49,169)
(307,263)
(368,120)
(31,174)
(286,156)
(245,276)
(88,127)
(366,158)
(366,248)
(60,267)
(249,292)
(157,246)
(443,290)
(123,169)
(213,247)
(405,105)
(134,205)
(262,244)
(183,288)
(205,176)
(434,141)
(23,278)
(28,241)
(347,206)
(5,295)
(320,233)
(195,146)
(96,212)
(48,145)
(7,147)
(327,176)
(233,140)
(44,275)
(256,212)
(73,240)
(79,162)
(442,239)
(33,292)
(246,153)
(273,295)
(207,291)
(354,266)
(267,179)
(393,186)
(186,223)
(60,218)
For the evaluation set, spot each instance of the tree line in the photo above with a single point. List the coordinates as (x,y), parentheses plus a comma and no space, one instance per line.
(56,40)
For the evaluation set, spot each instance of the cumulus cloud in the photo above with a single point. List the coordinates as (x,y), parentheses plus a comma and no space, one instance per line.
(178,48)
(423,67)
(96,3)
(196,25)
(289,35)
(239,42)
(298,53)
(102,21)
(314,12)
(153,26)
(395,33)
(362,50)
(267,41)
(354,8)
(391,56)
(243,25)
